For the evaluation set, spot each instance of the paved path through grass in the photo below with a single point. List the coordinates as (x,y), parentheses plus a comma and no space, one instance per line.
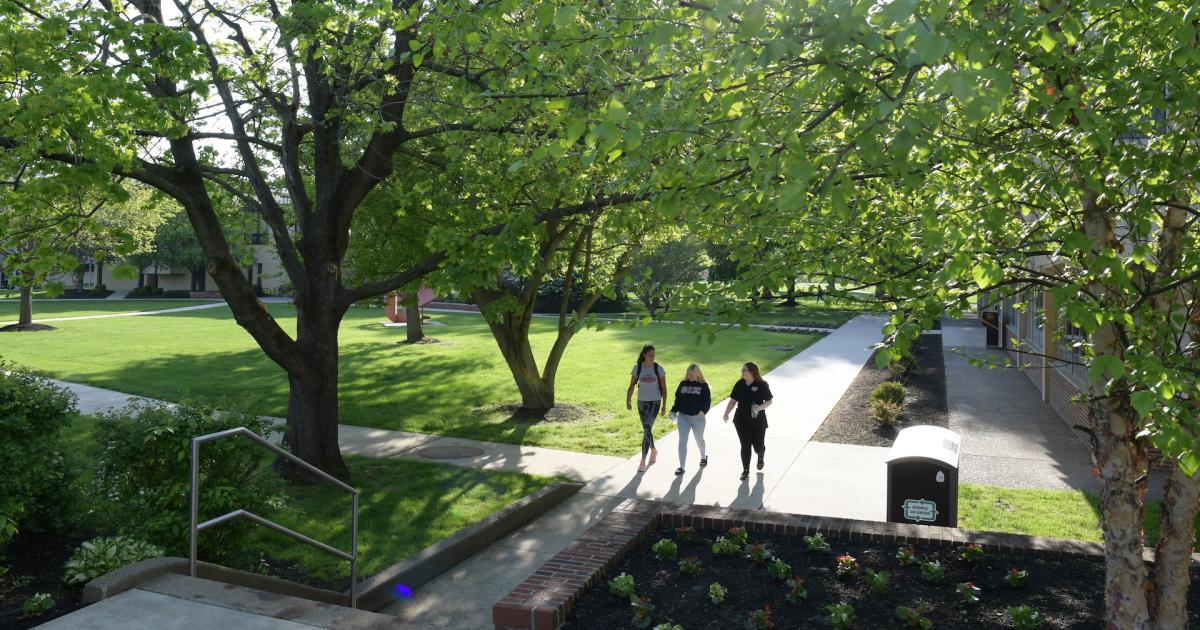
(181,309)
(356,440)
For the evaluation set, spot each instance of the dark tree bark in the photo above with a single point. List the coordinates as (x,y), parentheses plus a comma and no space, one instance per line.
(791,293)
(415,328)
(26,316)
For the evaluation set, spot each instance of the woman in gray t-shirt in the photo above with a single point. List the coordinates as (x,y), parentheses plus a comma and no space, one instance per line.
(651,381)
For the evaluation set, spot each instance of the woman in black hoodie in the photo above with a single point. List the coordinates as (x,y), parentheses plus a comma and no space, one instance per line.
(752,396)
(692,400)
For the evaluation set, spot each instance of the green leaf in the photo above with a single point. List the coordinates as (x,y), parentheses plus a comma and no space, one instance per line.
(1106,364)
(987,273)
(1143,402)
(1046,40)
(931,47)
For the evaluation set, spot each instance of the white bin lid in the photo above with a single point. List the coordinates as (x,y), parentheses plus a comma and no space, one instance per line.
(926,442)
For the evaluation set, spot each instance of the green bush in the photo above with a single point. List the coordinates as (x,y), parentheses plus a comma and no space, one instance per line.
(35,479)
(145,291)
(886,413)
(100,556)
(145,474)
(889,391)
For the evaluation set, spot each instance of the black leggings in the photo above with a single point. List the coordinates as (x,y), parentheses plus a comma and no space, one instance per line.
(648,411)
(751,435)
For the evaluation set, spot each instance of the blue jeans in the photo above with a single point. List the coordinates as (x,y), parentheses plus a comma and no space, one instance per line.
(690,424)
(648,411)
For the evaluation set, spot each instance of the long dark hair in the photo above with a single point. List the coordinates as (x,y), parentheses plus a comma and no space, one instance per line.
(642,355)
(752,368)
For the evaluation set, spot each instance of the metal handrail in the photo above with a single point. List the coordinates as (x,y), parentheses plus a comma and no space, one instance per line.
(196,528)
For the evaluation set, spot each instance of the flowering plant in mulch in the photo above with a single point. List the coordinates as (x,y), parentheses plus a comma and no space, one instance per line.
(717,593)
(668,626)
(914,617)
(759,554)
(933,571)
(972,554)
(906,557)
(847,566)
(686,534)
(779,569)
(622,586)
(1016,577)
(690,566)
(665,549)
(841,615)
(760,619)
(739,535)
(817,542)
(797,590)
(725,547)
(968,592)
(1025,617)
(878,581)
(642,611)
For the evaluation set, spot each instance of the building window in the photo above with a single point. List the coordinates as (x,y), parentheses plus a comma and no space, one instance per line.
(1035,330)
(1069,350)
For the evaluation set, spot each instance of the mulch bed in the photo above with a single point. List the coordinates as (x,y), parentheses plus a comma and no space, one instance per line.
(26,328)
(34,563)
(1068,592)
(559,413)
(851,420)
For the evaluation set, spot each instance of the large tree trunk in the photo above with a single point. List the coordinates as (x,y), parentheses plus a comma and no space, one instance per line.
(1173,554)
(791,293)
(26,316)
(312,422)
(512,336)
(414,326)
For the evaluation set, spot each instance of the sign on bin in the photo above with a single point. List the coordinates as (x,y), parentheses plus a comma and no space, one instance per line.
(922,477)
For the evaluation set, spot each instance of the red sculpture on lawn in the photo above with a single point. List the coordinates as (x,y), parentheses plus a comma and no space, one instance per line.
(395,303)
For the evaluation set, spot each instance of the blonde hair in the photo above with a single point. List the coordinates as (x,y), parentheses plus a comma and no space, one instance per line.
(699,373)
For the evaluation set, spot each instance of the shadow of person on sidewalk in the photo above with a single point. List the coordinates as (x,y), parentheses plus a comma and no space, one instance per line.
(748,497)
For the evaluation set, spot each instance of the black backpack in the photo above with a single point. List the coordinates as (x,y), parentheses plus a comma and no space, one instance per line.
(637,368)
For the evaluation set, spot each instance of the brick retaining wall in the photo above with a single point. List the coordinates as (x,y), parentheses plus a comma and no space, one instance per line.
(544,600)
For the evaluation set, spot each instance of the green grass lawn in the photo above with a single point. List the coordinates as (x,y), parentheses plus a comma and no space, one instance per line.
(404,507)
(43,309)
(14,294)
(452,388)
(1052,513)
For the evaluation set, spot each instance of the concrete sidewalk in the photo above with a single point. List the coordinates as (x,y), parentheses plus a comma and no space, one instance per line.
(182,309)
(371,442)
(800,476)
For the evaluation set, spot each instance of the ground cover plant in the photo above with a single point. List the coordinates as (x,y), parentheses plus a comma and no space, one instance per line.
(459,387)
(822,591)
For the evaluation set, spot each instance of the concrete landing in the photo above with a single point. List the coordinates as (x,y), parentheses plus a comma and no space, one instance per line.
(176,602)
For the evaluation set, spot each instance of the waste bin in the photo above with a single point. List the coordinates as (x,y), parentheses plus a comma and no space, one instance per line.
(991,322)
(922,477)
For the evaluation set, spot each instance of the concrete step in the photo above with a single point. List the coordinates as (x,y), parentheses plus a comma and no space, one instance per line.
(178,602)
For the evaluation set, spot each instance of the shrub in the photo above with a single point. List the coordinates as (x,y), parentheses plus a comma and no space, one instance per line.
(145,475)
(717,593)
(906,557)
(841,615)
(724,546)
(144,291)
(759,554)
(622,586)
(847,566)
(760,619)
(102,555)
(35,478)
(817,542)
(668,626)
(968,592)
(933,571)
(739,535)
(1016,577)
(665,549)
(885,413)
(643,611)
(779,569)
(690,566)
(890,391)
(686,534)
(797,590)
(915,617)
(37,604)
(1025,617)
(972,554)
(877,580)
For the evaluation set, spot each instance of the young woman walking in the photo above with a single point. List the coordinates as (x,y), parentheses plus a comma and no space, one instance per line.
(651,381)
(692,400)
(752,396)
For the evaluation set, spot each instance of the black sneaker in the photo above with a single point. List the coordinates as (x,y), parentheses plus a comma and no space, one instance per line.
(761,462)
(704,461)
(678,471)
(745,475)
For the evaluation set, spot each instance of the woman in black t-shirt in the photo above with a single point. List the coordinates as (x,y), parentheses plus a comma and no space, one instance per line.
(752,396)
